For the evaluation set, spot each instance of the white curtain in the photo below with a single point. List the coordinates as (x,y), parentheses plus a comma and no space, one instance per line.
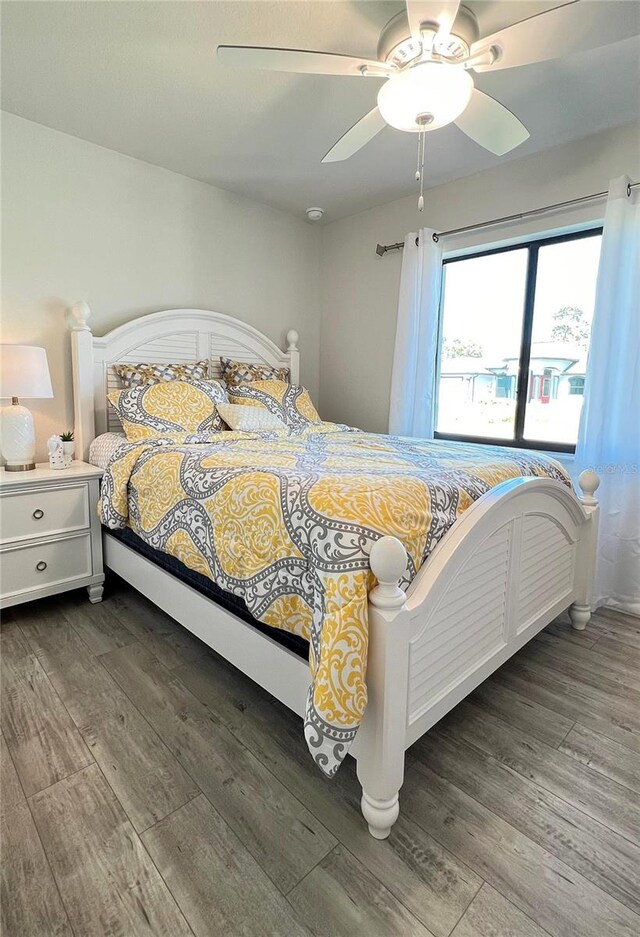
(609,437)
(411,409)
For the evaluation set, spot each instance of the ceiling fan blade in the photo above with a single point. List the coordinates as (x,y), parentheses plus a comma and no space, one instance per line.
(354,139)
(440,12)
(299,60)
(491,124)
(573,27)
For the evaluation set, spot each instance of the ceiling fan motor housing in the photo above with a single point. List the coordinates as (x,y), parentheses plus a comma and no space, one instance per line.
(397,47)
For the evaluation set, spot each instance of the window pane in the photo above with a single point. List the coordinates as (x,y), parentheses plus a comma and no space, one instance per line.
(481,335)
(563,309)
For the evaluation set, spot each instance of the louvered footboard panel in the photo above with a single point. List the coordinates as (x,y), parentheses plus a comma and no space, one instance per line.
(467,627)
(546,569)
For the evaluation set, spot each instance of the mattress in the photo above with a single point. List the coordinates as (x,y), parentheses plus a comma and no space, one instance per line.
(287,522)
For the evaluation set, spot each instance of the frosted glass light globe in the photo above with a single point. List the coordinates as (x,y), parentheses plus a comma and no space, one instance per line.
(434,88)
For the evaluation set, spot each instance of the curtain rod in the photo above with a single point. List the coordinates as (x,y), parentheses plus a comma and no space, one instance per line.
(381,249)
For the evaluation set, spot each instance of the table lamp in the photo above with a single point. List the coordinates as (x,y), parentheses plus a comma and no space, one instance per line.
(24,372)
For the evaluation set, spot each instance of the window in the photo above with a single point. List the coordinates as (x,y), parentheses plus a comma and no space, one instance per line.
(514,335)
(504,385)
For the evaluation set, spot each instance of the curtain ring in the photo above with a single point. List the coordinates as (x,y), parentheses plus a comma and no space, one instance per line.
(628,190)
(435,238)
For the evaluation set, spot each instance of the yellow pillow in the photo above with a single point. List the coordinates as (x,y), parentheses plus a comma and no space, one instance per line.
(291,403)
(170,408)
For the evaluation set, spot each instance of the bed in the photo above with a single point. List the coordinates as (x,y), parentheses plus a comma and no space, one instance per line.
(517,557)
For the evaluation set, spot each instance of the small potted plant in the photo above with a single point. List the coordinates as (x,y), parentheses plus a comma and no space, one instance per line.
(68,446)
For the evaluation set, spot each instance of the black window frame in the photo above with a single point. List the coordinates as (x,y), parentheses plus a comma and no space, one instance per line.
(532,246)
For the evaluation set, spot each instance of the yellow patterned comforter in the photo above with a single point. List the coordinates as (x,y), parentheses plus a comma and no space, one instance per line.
(287,523)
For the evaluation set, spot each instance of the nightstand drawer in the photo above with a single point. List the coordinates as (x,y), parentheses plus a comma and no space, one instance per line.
(39,513)
(23,569)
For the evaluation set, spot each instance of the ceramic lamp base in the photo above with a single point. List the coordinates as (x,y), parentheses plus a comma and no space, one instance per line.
(17,439)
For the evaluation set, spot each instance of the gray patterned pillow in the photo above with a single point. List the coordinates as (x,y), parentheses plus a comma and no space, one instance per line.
(135,375)
(235,373)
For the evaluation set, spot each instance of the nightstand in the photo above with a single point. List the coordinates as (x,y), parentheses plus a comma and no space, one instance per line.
(50,538)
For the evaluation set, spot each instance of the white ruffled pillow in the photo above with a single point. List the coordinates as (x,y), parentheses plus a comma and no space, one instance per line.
(249,419)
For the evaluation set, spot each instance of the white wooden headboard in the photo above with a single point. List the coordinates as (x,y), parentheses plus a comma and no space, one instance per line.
(174,335)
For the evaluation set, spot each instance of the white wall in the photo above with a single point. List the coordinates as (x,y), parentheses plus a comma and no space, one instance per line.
(83,222)
(360,289)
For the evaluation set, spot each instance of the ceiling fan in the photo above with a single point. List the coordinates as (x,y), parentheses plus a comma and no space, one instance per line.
(425,58)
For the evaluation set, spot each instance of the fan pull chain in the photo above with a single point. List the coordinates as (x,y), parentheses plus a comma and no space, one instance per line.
(422,135)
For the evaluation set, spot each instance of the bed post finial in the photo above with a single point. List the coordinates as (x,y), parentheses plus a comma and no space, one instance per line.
(589,482)
(80,315)
(294,355)
(388,562)
(580,611)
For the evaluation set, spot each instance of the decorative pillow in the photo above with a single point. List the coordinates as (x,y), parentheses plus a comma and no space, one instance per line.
(235,373)
(170,408)
(291,403)
(249,419)
(135,375)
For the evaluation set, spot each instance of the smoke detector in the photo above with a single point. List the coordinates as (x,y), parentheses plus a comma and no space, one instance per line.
(314,214)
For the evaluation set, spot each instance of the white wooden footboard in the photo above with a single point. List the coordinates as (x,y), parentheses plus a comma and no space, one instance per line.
(517,558)
(508,568)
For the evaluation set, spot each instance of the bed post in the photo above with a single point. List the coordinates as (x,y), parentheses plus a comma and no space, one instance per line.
(580,611)
(294,355)
(380,749)
(82,366)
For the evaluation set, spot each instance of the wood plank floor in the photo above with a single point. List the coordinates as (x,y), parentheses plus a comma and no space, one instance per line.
(149,788)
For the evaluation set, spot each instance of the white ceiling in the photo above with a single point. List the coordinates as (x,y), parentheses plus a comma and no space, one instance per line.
(142,78)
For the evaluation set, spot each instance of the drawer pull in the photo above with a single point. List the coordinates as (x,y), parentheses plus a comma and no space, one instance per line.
(37,514)
(41,566)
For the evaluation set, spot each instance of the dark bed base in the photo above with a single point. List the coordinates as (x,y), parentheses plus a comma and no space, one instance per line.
(228,601)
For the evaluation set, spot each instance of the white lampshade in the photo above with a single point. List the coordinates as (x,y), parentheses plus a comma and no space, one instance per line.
(24,372)
(434,88)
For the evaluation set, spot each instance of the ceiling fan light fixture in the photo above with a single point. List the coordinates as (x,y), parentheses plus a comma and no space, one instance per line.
(434,88)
